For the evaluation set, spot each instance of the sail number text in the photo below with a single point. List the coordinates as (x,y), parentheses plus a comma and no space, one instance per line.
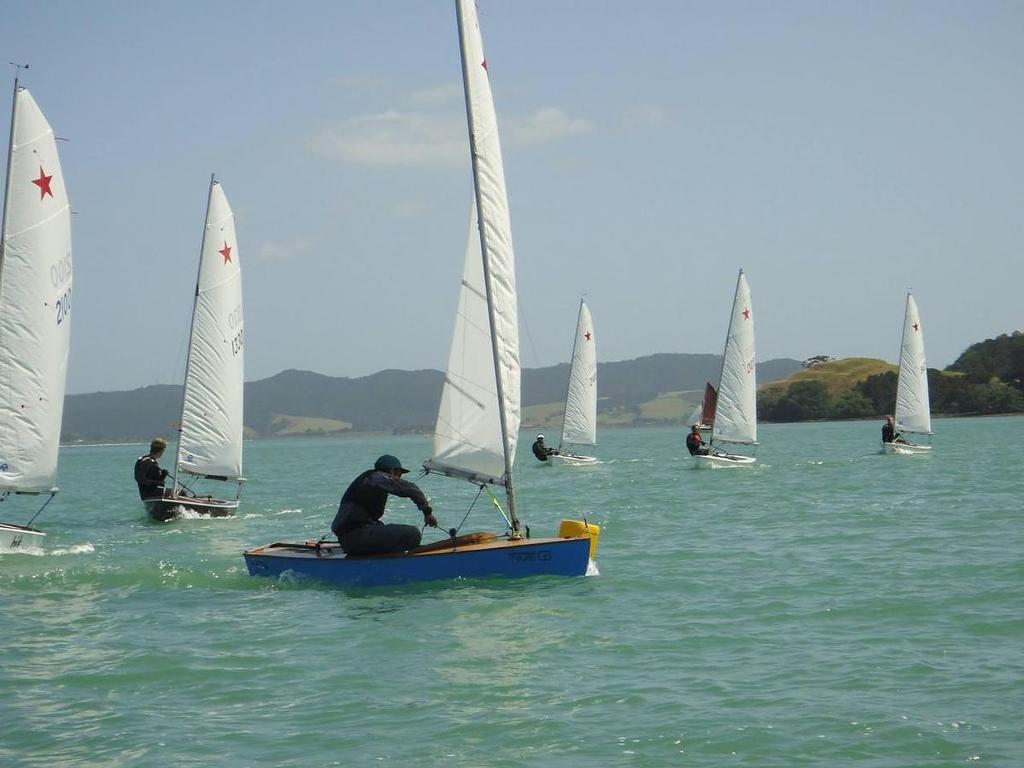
(64,306)
(60,272)
(235,321)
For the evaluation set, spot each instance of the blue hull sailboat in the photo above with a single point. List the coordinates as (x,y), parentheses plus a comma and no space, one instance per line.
(479,415)
(487,557)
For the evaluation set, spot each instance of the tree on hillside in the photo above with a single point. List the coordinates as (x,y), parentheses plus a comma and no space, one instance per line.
(803,401)
(880,390)
(810,362)
(1001,357)
(852,405)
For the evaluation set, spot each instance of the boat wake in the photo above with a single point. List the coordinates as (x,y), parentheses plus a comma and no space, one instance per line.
(75,549)
(181,513)
(592,569)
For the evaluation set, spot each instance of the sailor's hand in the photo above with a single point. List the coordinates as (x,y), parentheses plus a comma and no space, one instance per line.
(429,519)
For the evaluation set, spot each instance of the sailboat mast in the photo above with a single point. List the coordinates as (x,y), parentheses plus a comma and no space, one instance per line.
(568,382)
(7,184)
(192,331)
(509,489)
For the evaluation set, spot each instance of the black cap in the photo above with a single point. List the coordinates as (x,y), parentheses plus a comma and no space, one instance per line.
(387,461)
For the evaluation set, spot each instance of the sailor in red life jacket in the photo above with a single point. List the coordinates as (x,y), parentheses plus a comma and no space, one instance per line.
(695,442)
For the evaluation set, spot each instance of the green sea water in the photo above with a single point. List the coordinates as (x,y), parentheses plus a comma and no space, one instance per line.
(831,606)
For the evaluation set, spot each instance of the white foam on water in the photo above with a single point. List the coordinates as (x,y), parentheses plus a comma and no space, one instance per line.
(76,549)
(592,569)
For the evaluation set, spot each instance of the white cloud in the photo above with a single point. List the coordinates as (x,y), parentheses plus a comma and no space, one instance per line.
(394,138)
(545,125)
(436,96)
(289,249)
(432,135)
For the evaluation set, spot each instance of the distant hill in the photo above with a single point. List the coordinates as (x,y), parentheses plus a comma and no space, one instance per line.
(988,378)
(645,390)
(1001,358)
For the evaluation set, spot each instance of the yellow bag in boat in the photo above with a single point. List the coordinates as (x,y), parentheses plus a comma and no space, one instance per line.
(572,529)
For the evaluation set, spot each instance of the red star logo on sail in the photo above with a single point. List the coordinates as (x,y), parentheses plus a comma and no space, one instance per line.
(916,327)
(484,64)
(225,252)
(43,182)
(746,313)
(588,335)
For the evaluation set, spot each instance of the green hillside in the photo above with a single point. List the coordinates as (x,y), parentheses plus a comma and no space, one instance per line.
(986,379)
(838,375)
(284,425)
(307,403)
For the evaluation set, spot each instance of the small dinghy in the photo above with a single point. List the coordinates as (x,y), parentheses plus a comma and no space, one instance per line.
(478,419)
(913,409)
(476,555)
(210,442)
(579,422)
(35,320)
(734,421)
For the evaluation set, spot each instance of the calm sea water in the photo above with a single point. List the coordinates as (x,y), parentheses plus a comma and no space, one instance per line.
(829,607)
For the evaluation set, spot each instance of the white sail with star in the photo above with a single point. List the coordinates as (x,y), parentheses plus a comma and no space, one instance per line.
(35,314)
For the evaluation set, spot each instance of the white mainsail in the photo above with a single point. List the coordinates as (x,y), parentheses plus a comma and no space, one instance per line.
(736,410)
(211,418)
(913,411)
(467,436)
(478,420)
(35,302)
(579,425)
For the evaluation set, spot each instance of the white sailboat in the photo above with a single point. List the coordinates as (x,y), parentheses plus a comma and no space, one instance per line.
(210,442)
(579,422)
(913,410)
(35,322)
(735,417)
(478,419)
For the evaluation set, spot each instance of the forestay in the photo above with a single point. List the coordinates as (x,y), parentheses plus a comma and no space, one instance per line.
(579,425)
(913,410)
(736,409)
(211,420)
(469,441)
(35,302)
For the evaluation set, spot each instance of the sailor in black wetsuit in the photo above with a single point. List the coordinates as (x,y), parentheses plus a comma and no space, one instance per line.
(695,442)
(541,451)
(357,524)
(148,474)
(889,434)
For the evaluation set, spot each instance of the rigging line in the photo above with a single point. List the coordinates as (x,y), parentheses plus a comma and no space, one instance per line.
(494,500)
(29,523)
(463,522)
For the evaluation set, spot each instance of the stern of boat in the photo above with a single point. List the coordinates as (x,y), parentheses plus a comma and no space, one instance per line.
(20,538)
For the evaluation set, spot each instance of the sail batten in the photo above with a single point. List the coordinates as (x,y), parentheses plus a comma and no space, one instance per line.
(579,423)
(913,409)
(35,302)
(735,419)
(211,421)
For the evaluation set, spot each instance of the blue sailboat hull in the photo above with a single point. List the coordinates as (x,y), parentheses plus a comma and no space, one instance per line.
(503,558)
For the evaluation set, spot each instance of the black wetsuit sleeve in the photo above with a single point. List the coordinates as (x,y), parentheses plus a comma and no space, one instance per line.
(397,487)
(148,472)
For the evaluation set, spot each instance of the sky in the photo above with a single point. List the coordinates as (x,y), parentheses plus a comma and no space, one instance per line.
(841,153)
